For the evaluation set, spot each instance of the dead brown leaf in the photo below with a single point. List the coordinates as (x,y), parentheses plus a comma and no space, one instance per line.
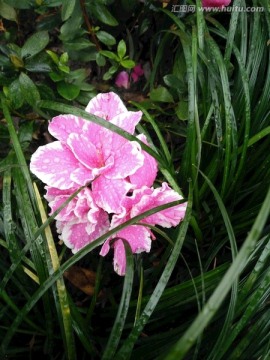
(81,278)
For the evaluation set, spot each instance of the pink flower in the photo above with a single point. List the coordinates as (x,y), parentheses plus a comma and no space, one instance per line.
(87,152)
(122,80)
(138,236)
(117,175)
(147,173)
(215,3)
(137,72)
(80,221)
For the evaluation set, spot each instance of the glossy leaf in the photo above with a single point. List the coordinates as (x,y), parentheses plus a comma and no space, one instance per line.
(35,44)
(29,90)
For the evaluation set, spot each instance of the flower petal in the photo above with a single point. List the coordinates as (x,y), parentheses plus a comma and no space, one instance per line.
(85,151)
(109,193)
(139,239)
(82,176)
(77,235)
(53,163)
(63,125)
(122,80)
(128,120)
(147,173)
(53,192)
(106,105)
(67,213)
(160,196)
(127,160)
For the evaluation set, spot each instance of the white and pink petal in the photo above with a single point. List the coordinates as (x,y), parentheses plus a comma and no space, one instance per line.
(127,160)
(109,193)
(161,196)
(63,125)
(84,151)
(106,105)
(147,173)
(127,120)
(76,235)
(53,163)
(139,239)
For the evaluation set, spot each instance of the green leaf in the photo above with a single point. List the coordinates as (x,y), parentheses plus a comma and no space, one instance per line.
(119,323)
(16,61)
(161,94)
(87,87)
(100,59)
(35,44)
(26,132)
(71,29)
(77,76)
(182,110)
(15,94)
(29,89)
(7,11)
(128,64)
(67,8)
(121,49)
(174,82)
(38,63)
(38,67)
(109,55)
(68,91)
(53,56)
(182,346)
(144,26)
(64,68)
(22,4)
(101,13)
(78,44)
(105,38)
(64,58)
(107,76)
(56,76)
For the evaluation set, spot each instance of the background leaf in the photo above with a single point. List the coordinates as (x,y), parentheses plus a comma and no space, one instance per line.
(67,8)
(29,90)
(35,44)
(68,91)
(7,11)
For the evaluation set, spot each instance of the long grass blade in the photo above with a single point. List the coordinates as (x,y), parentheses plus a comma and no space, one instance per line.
(221,291)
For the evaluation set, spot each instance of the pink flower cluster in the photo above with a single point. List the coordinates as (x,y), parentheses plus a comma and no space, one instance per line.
(122,78)
(117,174)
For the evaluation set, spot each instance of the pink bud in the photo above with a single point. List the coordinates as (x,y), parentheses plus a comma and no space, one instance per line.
(122,80)
(137,72)
(215,3)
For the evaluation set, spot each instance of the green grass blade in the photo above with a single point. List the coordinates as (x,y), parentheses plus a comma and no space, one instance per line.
(123,307)
(18,150)
(11,240)
(58,273)
(154,125)
(126,349)
(187,340)
(60,293)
